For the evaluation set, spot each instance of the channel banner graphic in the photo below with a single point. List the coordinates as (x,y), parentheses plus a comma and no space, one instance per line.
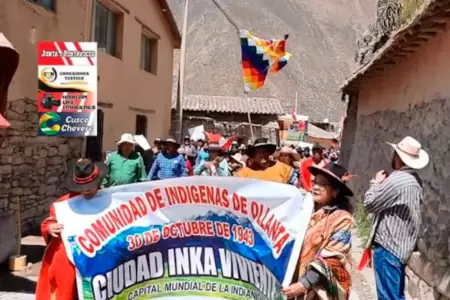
(67,84)
(187,238)
(67,124)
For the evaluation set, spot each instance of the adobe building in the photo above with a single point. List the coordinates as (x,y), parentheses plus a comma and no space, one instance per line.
(135,39)
(405,90)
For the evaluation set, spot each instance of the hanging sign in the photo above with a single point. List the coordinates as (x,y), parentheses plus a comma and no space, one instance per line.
(67,88)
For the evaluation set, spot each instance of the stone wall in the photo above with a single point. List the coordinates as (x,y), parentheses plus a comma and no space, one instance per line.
(429,270)
(349,132)
(229,123)
(32,168)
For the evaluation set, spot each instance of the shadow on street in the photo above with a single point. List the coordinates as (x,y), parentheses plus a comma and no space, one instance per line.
(13,283)
(24,281)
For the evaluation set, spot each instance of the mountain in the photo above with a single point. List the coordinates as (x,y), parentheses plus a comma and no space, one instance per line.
(322,39)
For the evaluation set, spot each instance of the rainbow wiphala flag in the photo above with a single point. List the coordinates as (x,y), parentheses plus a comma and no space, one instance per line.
(260,57)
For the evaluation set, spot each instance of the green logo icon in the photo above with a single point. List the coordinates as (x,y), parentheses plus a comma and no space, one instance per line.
(45,119)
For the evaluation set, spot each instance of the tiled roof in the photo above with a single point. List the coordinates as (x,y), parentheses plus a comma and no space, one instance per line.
(231,104)
(430,18)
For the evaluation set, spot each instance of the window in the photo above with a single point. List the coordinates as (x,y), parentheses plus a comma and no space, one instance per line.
(149,52)
(106,29)
(48,4)
(141,125)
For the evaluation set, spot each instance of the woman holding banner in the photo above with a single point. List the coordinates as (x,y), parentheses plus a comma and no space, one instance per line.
(324,265)
(263,168)
(57,276)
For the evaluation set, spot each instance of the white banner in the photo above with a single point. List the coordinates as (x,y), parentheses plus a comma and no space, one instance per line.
(197,237)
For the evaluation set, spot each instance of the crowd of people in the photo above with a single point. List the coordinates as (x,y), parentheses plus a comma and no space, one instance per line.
(170,159)
(323,269)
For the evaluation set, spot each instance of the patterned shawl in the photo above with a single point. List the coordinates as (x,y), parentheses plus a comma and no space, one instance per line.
(327,248)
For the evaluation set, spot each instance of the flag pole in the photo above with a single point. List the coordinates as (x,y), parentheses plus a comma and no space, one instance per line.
(296,103)
(249,118)
(182,67)
(232,22)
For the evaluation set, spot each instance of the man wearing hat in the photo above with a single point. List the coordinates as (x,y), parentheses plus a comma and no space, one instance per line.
(169,163)
(395,202)
(57,274)
(217,165)
(317,160)
(263,168)
(125,165)
(189,149)
(156,146)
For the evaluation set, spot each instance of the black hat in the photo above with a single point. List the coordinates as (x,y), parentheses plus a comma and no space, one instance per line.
(84,175)
(261,143)
(336,173)
(170,140)
(316,147)
(186,137)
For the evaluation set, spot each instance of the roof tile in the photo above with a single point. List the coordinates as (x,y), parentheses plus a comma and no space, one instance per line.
(223,104)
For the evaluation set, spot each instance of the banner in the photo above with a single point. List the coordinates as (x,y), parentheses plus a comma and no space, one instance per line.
(186,238)
(67,88)
(142,142)
(197,133)
(293,129)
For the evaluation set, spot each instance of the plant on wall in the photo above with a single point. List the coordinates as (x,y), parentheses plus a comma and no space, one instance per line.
(376,35)
(409,9)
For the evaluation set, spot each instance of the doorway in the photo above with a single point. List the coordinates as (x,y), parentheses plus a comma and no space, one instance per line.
(141,125)
(94,144)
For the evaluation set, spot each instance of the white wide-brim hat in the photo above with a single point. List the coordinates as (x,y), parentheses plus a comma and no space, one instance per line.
(290,151)
(126,138)
(411,153)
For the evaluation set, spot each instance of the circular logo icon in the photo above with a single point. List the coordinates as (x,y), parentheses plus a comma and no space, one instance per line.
(49,74)
(48,123)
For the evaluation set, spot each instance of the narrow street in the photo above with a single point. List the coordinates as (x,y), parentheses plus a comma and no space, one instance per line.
(21,285)
(363,282)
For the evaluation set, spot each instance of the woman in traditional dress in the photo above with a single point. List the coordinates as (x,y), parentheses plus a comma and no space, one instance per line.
(263,168)
(323,270)
(57,276)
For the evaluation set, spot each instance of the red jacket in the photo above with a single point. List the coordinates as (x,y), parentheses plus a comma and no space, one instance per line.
(305,175)
(57,276)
